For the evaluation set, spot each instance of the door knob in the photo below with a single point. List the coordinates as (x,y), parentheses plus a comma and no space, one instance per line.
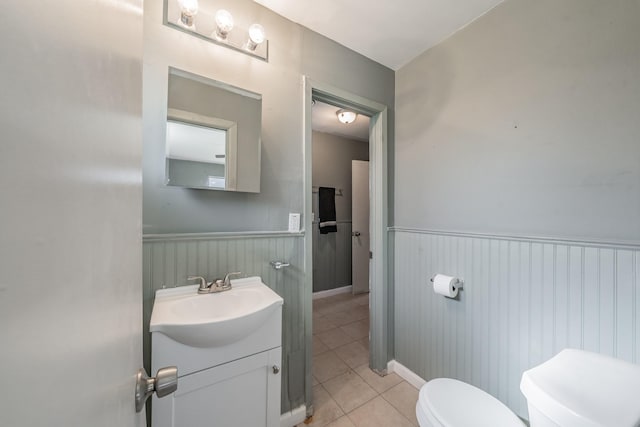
(356,234)
(164,383)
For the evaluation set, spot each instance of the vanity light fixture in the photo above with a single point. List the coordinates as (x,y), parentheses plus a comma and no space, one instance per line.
(223,31)
(188,10)
(346,116)
(256,36)
(224,24)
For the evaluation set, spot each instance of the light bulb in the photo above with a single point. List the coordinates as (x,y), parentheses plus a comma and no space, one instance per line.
(256,36)
(224,24)
(346,116)
(188,10)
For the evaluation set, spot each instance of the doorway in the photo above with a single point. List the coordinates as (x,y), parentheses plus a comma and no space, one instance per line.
(340,215)
(379,297)
(340,234)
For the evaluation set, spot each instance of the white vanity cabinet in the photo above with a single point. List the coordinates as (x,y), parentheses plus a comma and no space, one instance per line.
(245,392)
(236,384)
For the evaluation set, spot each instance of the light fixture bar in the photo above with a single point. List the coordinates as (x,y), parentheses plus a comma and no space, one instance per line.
(181,15)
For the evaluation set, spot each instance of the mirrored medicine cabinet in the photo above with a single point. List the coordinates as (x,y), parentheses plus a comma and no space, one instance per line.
(213,134)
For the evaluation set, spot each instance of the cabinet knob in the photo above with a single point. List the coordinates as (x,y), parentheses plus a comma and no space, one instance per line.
(276,369)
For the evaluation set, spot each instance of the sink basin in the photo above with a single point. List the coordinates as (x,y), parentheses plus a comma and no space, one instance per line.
(214,319)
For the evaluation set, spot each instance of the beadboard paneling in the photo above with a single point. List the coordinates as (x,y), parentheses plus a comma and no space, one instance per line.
(167,263)
(332,257)
(522,302)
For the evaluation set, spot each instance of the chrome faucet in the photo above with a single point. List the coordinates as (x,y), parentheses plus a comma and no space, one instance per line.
(218,285)
(204,286)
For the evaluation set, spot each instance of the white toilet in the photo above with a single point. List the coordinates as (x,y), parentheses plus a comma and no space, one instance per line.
(573,389)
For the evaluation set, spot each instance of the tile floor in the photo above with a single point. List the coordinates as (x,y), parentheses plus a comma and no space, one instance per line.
(346,393)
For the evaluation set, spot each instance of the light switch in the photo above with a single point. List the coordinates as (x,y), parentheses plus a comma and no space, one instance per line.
(294,222)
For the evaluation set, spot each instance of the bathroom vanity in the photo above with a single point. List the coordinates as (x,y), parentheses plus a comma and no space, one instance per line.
(228,349)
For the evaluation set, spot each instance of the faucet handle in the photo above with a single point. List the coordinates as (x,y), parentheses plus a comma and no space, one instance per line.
(227,281)
(203,281)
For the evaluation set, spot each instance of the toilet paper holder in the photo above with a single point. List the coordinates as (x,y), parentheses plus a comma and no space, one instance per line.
(459,281)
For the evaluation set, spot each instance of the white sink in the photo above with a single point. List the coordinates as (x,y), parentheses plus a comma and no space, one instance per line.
(214,319)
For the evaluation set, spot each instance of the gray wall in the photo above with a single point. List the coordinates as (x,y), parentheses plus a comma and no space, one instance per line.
(522,124)
(294,52)
(332,157)
(525,122)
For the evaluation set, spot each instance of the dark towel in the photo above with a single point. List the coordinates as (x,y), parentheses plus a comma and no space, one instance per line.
(327,207)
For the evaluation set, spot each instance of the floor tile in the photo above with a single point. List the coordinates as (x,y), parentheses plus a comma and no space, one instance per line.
(338,306)
(328,365)
(318,346)
(334,338)
(403,397)
(322,324)
(365,342)
(379,384)
(341,422)
(362,299)
(325,409)
(378,413)
(348,296)
(349,391)
(353,354)
(345,317)
(356,330)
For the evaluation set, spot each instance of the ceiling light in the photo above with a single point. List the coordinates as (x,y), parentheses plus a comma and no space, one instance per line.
(346,116)
(256,36)
(188,9)
(224,24)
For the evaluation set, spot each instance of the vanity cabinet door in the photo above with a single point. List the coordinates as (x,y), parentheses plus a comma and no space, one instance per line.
(245,392)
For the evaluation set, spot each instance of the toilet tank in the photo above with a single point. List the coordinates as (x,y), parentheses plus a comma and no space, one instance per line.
(581,389)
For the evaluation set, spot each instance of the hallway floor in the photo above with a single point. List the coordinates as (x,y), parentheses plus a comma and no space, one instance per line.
(346,393)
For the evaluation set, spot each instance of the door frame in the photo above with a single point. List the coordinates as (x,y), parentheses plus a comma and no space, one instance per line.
(378,269)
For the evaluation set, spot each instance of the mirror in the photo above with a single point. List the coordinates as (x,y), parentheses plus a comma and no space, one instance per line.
(212,135)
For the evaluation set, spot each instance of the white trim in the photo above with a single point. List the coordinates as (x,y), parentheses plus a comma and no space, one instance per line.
(215,236)
(405,373)
(332,292)
(293,417)
(601,243)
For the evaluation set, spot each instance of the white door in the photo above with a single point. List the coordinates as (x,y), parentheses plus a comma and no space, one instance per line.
(360,226)
(70,215)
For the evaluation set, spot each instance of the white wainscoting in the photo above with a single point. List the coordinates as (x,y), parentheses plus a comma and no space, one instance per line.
(523,301)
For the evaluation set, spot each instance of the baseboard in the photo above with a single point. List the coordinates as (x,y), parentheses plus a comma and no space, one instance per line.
(293,417)
(405,373)
(332,292)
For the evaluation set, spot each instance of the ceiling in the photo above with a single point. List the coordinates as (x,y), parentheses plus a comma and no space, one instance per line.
(324,119)
(389,32)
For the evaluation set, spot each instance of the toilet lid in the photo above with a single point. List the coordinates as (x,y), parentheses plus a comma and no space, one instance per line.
(454,403)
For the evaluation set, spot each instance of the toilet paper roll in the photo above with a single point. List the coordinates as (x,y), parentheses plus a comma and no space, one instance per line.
(445,285)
